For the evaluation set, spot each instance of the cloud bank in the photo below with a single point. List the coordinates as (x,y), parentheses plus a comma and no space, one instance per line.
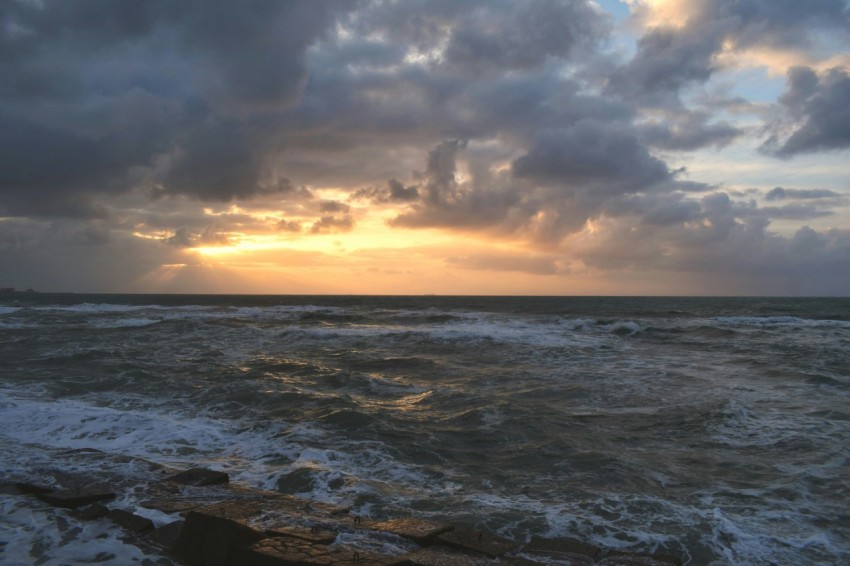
(153,128)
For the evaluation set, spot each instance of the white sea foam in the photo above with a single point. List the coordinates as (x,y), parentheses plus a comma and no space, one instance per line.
(38,534)
(256,455)
(780,321)
(125,322)
(97,308)
(8,310)
(73,424)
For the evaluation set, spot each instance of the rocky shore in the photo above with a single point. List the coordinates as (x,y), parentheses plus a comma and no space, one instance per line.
(204,520)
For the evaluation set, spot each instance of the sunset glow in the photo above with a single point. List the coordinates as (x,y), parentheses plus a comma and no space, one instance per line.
(563,147)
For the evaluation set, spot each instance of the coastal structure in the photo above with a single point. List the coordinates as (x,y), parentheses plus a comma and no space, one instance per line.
(216,523)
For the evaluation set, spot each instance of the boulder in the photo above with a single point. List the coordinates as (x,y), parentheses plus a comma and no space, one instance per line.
(417,530)
(73,498)
(33,489)
(539,545)
(476,541)
(560,558)
(312,535)
(212,532)
(199,477)
(177,505)
(165,537)
(615,558)
(130,521)
(280,552)
(90,513)
(440,556)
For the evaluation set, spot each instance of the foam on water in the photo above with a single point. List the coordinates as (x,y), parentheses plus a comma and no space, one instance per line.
(38,534)
(716,432)
(780,321)
(257,455)
(97,308)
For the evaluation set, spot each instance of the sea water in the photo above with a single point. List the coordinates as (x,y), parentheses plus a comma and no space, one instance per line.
(716,429)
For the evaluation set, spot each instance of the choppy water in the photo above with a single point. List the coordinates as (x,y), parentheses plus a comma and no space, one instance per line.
(715,429)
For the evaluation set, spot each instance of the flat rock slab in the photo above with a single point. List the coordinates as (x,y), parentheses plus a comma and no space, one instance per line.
(446,557)
(476,541)
(130,521)
(300,507)
(280,552)
(624,559)
(546,546)
(165,537)
(90,513)
(237,510)
(312,535)
(33,489)
(212,532)
(175,505)
(417,530)
(559,558)
(199,477)
(71,499)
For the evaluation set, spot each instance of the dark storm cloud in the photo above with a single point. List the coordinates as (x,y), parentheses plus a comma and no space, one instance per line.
(668,59)
(332,206)
(332,224)
(819,108)
(92,90)
(480,35)
(592,154)
(662,209)
(780,193)
(185,238)
(446,202)
(508,35)
(776,23)
(288,226)
(792,212)
(729,241)
(151,117)
(394,191)
(688,132)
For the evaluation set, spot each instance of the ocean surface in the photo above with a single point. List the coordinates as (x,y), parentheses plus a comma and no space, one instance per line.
(717,429)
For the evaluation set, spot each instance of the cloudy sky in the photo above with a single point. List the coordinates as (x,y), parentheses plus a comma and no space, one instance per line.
(426,146)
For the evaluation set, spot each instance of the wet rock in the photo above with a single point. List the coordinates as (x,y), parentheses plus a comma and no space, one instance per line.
(417,530)
(279,552)
(302,480)
(212,532)
(274,551)
(130,521)
(33,489)
(559,558)
(476,541)
(312,535)
(199,477)
(175,505)
(71,499)
(433,556)
(296,508)
(90,513)
(546,546)
(166,536)
(626,559)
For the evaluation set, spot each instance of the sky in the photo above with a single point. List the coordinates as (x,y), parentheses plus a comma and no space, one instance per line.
(542,147)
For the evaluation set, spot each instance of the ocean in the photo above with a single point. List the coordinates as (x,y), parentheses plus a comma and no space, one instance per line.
(715,429)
